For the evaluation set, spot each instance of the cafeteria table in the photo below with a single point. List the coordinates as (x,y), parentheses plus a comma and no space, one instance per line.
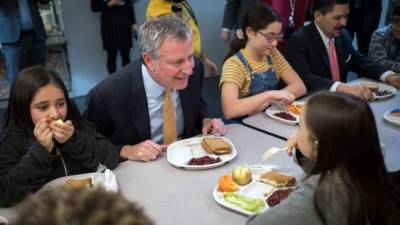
(389,134)
(173,195)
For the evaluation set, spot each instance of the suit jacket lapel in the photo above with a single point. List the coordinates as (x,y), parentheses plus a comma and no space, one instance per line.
(317,39)
(340,52)
(138,108)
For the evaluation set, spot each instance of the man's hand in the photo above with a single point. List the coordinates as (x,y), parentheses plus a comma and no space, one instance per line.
(145,151)
(213,126)
(357,90)
(394,80)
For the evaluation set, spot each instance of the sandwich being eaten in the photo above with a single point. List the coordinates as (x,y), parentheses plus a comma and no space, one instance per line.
(216,146)
(278,179)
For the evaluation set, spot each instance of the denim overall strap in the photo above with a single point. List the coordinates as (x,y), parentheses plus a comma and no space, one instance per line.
(260,82)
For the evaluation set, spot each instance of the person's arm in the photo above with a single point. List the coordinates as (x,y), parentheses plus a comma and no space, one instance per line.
(297,54)
(294,84)
(292,80)
(90,148)
(380,52)
(22,171)
(297,208)
(233,76)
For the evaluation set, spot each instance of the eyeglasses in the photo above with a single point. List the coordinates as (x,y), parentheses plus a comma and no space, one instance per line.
(271,37)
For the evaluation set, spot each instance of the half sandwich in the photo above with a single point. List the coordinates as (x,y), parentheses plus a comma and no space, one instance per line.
(216,146)
(278,179)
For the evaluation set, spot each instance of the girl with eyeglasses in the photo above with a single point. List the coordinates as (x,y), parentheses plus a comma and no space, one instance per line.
(255,73)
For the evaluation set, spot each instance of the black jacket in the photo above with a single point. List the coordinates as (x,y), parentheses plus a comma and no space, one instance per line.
(10,24)
(116,24)
(25,165)
(118,105)
(307,54)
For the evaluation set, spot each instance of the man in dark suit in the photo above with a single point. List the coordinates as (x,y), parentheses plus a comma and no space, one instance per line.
(130,106)
(322,53)
(363,20)
(22,34)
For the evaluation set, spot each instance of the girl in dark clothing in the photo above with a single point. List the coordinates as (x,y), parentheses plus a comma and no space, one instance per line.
(117,25)
(45,138)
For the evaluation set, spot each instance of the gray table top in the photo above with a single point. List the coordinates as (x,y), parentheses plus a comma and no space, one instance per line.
(388,133)
(172,195)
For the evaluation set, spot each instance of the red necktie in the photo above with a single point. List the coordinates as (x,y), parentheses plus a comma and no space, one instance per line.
(333,61)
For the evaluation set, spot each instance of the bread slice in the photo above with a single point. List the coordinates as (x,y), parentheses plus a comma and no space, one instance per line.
(373,87)
(87,182)
(278,179)
(216,146)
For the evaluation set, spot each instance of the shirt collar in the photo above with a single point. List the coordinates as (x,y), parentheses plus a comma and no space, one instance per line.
(325,39)
(153,89)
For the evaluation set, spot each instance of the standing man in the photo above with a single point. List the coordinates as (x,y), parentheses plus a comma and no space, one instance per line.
(22,35)
(322,53)
(156,99)
(363,20)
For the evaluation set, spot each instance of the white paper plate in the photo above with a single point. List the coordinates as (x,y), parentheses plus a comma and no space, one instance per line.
(395,120)
(255,189)
(270,111)
(385,87)
(179,153)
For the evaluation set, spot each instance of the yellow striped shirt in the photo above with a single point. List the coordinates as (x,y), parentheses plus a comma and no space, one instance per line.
(236,72)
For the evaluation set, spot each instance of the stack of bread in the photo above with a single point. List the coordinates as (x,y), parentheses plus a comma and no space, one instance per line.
(216,146)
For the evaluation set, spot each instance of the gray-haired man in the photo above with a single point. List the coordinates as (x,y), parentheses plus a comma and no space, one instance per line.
(128,107)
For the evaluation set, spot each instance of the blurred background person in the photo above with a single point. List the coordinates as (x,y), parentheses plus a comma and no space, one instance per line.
(79,206)
(118,22)
(233,15)
(389,10)
(22,35)
(293,15)
(385,43)
(182,8)
(255,70)
(363,20)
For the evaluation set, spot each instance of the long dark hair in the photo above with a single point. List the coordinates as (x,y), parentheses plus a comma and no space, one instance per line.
(257,18)
(24,88)
(348,148)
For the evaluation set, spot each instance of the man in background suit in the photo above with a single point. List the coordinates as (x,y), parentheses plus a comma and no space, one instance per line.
(22,35)
(129,107)
(322,53)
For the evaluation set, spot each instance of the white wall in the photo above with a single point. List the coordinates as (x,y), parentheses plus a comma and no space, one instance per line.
(87,58)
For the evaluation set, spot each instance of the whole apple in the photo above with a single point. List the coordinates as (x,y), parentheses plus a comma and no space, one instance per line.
(241,175)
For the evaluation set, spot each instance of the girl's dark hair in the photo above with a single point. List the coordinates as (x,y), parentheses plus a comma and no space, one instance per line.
(348,148)
(257,18)
(24,88)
